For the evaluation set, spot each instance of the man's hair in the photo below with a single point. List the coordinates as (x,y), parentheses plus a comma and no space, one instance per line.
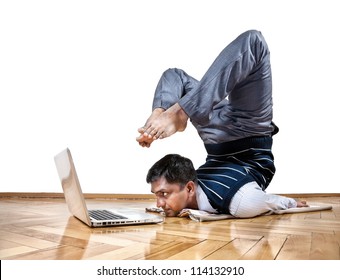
(176,169)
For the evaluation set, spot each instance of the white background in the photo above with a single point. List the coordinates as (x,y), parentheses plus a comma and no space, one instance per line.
(82,74)
(88,270)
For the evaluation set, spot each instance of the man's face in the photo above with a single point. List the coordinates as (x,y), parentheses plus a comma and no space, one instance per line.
(171,197)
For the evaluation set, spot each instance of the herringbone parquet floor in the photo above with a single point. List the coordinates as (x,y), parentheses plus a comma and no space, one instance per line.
(42,229)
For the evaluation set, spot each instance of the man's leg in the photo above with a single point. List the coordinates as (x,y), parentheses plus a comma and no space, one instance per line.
(251,201)
(173,85)
(247,54)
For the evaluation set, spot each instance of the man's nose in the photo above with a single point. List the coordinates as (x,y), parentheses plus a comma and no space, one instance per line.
(160,202)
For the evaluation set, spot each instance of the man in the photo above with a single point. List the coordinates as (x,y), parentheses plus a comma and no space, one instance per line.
(231,109)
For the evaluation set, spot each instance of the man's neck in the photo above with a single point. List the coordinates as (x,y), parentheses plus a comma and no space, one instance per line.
(192,203)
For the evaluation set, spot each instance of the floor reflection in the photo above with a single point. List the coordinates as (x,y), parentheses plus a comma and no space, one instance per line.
(176,238)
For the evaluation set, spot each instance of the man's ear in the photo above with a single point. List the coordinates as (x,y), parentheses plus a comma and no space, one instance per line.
(190,187)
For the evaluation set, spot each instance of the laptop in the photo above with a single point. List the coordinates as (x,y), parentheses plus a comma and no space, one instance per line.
(96,217)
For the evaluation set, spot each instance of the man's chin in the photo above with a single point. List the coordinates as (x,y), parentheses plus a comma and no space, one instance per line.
(171,213)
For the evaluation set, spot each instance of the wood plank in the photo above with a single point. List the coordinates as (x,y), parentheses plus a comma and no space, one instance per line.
(122,253)
(5,244)
(166,251)
(324,247)
(26,240)
(87,236)
(199,251)
(67,253)
(337,237)
(197,235)
(265,249)
(234,250)
(10,253)
(296,247)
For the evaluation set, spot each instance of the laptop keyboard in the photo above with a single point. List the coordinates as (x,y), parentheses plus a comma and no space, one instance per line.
(104,215)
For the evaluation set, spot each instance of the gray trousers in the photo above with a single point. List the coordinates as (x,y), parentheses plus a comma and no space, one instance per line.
(233,100)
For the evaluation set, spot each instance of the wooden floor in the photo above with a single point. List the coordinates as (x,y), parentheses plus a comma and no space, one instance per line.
(42,228)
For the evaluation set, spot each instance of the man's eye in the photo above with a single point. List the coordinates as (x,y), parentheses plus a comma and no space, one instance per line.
(165,194)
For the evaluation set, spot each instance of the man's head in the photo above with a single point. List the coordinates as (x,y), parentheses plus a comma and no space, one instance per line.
(173,180)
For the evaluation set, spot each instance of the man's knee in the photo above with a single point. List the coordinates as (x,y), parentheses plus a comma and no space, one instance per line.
(257,44)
